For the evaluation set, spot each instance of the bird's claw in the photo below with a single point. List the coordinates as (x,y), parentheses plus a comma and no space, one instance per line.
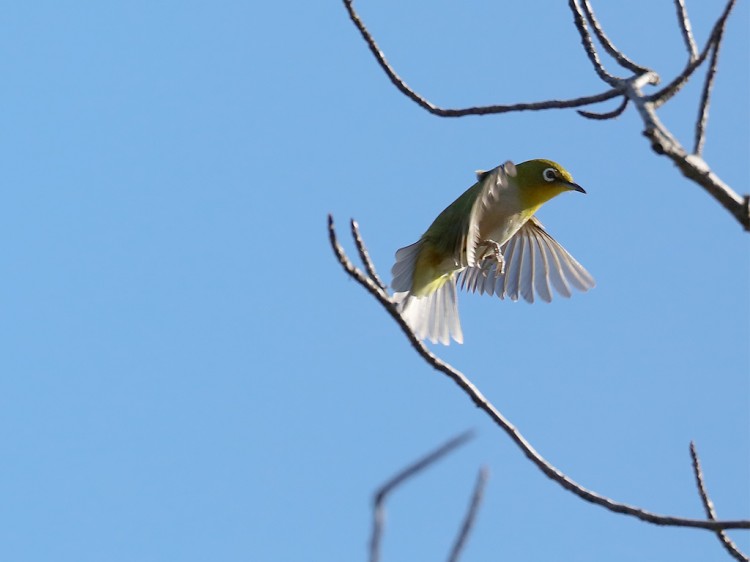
(496,257)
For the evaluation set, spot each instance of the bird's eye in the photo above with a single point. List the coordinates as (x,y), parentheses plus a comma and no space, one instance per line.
(550,174)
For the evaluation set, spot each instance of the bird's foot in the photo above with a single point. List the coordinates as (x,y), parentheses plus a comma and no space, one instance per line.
(495,257)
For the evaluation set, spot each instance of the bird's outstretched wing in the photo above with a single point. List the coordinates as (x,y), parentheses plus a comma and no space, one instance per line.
(535,263)
(491,185)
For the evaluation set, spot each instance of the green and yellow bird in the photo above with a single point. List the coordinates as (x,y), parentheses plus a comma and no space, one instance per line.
(488,240)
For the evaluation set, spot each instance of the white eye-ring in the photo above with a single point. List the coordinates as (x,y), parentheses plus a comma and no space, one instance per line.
(550,174)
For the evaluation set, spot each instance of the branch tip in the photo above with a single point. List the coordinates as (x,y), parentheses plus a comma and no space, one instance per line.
(687,32)
(365,256)
(607,115)
(471,513)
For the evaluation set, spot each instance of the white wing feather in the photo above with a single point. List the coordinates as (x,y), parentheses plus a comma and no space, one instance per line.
(534,264)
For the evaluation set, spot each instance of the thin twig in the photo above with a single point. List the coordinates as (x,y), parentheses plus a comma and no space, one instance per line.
(378,510)
(616,112)
(613,51)
(365,256)
(588,44)
(471,514)
(486,406)
(700,124)
(662,96)
(708,506)
(397,81)
(687,32)
(665,94)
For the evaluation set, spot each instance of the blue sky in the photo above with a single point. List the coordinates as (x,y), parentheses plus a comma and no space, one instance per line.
(187,374)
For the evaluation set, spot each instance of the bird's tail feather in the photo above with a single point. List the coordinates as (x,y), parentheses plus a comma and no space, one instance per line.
(433,316)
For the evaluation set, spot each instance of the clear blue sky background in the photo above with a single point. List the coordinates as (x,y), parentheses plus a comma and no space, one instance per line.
(187,374)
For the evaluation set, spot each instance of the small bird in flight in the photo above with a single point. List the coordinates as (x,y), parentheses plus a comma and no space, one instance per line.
(487,240)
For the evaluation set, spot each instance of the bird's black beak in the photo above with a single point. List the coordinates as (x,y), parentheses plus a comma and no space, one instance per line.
(575,187)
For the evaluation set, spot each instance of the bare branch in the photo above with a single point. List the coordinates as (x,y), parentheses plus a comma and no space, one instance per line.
(692,166)
(665,94)
(486,406)
(709,507)
(378,511)
(365,256)
(397,81)
(687,32)
(613,51)
(700,124)
(662,141)
(616,112)
(471,513)
(588,44)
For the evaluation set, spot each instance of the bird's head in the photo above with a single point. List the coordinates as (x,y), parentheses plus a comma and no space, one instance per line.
(540,180)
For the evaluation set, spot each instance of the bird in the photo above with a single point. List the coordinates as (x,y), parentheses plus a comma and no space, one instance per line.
(487,241)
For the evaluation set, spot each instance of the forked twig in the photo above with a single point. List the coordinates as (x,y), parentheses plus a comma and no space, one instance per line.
(486,406)
(378,511)
(364,255)
(613,51)
(709,507)
(588,44)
